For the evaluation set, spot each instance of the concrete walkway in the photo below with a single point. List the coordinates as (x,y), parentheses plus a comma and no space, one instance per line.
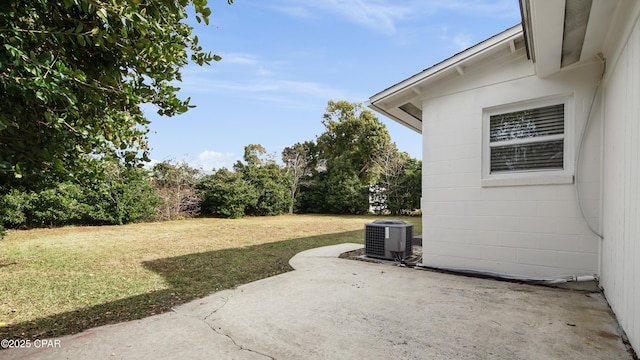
(332,308)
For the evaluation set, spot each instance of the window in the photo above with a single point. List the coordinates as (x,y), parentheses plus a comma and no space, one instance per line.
(526,142)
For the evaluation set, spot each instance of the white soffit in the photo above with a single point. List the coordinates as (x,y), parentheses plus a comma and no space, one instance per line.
(547,27)
(557,35)
(598,27)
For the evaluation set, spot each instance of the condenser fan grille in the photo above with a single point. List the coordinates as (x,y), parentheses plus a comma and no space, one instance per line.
(374,241)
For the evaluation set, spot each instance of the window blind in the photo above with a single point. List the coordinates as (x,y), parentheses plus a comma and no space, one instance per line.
(544,121)
(527,140)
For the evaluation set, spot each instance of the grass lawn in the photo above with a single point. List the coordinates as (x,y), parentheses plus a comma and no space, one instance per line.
(62,281)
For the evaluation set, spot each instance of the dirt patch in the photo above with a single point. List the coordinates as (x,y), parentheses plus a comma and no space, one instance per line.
(358,254)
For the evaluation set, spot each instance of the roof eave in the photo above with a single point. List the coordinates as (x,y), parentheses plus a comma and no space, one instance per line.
(555,38)
(544,43)
(451,63)
(390,100)
(407,120)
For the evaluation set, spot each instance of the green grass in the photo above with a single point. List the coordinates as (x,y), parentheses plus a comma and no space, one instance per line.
(61,281)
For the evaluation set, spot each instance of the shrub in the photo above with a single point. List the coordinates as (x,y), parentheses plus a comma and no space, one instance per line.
(125,195)
(271,183)
(13,208)
(61,205)
(121,195)
(226,194)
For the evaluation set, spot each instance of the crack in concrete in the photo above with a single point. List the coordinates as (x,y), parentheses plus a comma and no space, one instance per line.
(212,327)
(218,308)
(241,347)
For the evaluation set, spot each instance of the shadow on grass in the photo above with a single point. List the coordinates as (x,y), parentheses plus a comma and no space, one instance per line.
(189,276)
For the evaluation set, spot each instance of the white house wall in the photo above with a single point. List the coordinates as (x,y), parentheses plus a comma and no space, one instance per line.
(531,231)
(621,175)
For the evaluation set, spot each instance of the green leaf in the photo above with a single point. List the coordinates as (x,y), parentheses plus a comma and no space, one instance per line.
(45,58)
(17,172)
(4,123)
(102,14)
(67,67)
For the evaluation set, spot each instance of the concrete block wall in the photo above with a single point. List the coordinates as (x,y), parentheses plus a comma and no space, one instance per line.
(621,211)
(533,231)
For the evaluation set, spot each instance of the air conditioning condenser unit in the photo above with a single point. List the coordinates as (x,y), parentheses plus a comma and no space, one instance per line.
(388,239)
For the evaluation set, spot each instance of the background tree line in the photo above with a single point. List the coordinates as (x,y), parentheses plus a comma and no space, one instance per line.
(351,168)
(73,137)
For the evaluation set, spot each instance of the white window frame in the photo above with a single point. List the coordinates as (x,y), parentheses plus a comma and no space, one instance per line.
(529,177)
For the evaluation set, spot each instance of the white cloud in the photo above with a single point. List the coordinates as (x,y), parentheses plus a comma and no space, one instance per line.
(252,61)
(478,8)
(209,160)
(204,85)
(378,15)
(311,89)
(272,90)
(385,15)
(254,79)
(462,41)
(243,62)
(298,11)
(240,58)
(459,41)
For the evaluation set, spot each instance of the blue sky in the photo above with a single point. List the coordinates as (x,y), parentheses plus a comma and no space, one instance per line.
(282,60)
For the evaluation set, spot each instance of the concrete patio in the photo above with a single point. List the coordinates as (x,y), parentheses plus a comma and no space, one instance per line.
(331,308)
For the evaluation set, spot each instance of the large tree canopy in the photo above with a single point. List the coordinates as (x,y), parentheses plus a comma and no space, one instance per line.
(345,165)
(353,138)
(73,74)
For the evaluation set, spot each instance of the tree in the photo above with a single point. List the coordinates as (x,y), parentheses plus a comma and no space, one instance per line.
(175,184)
(119,195)
(254,155)
(312,197)
(353,137)
(225,194)
(410,192)
(399,186)
(299,160)
(346,166)
(73,74)
(391,163)
(258,187)
(270,182)
(344,191)
(123,194)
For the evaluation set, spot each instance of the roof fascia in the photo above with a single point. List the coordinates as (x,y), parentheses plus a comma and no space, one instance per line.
(544,22)
(453,63)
